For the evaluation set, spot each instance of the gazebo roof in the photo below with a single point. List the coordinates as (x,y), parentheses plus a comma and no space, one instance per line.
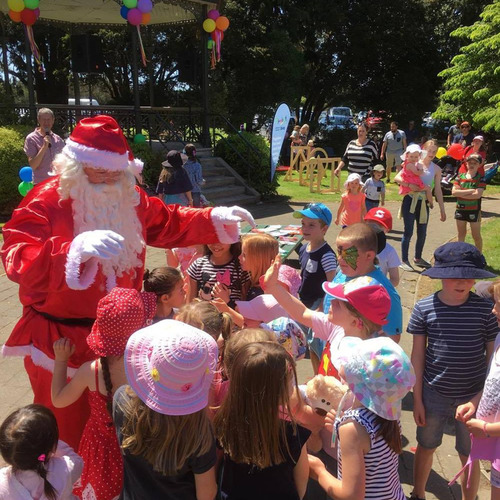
(107,12)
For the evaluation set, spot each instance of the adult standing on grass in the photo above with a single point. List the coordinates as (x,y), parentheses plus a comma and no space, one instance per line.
(42,145)
(360,154)
(393,146)
(414,207)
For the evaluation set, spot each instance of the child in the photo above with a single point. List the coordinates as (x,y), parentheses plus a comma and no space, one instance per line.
(119,314)
(485,426)
(453,337)
(374,188)
(40,466)
(193,169)
(388,259)
(218,274)
(352,207)
(168,285)
(412,170)
(379,375)
(174,185)
(295,137)
(317,263)
(181,258)
(265,456)
(468,188)
(165,435)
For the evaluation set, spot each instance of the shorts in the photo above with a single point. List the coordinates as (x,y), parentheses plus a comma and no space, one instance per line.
(468,215)
(438,410)
(495,477)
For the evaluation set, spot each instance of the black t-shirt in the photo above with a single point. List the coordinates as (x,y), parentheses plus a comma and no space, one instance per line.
(179,182)
(247,482)
(141,482)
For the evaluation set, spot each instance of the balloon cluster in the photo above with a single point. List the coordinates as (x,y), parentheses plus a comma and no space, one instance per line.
(24,11)
(137,12)
(215,24)
(26,175)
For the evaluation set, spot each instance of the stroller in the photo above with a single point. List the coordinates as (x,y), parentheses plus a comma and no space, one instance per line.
(449,170)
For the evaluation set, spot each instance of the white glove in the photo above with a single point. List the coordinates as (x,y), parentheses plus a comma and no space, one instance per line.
(226,222)
(90,246)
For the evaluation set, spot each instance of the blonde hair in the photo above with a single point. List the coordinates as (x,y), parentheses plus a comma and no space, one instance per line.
(205,316)
(248,424)
(260,251)
(369,327)
(166,442)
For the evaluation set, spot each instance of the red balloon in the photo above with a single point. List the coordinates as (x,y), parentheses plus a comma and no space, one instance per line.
(28,17)
(456,151)
(15,16)
(214,35)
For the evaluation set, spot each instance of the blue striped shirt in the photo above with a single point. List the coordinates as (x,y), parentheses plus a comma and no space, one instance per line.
(455,357)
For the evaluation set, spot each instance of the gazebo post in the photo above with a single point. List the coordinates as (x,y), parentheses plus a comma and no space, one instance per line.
(29,72)
(205,131)
(135,80)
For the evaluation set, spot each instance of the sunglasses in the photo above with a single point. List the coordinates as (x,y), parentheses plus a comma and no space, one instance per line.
(465,126)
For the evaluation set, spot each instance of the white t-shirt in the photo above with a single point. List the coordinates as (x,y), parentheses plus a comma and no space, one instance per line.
(388,258)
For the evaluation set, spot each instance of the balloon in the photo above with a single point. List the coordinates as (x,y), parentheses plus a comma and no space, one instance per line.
(31,4)
(210,44)
(146,17)
(134,17)
(124,12)
(15,16)
(16,5)
(24,187)
(26,174)
(440,152)
(145,6)
(222,23)
(213,14)
(28,17)
(139,138)
(209,25)
(37,12)
(130,4)
(215,33)
(456,151)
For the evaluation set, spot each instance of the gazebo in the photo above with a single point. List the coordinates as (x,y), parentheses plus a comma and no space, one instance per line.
(98,13)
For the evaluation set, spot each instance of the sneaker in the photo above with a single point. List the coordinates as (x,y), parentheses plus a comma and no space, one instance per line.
(422,263)
(406,266)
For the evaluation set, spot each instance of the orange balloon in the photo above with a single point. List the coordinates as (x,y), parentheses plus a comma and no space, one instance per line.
(222,23)
(146,17)
(15,16)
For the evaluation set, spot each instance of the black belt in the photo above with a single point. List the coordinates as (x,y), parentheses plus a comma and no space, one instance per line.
(67,321)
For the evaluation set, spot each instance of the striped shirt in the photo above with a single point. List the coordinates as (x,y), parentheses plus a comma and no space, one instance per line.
(463,182)
(207,274)
(455,357)
(359,159)
(381,463)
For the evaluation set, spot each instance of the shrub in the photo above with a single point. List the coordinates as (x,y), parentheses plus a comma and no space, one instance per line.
(258,175)
(152,162)
(12,159)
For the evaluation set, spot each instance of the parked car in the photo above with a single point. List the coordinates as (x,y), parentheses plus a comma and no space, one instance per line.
(434,128)
(337,118)
(377,119)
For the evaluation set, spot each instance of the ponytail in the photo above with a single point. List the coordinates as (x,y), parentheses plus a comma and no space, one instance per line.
(107,383)
(48,489)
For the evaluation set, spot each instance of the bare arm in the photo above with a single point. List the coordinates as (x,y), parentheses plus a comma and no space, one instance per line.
(222,306)
(405,143)
(301,473)
(382,199)
(193,289)
(339,168)
(418,362)
(205,484)
(382,151)
(398,179)
(172,260)
(330,275)
(394,276)
(470,194)
(339,211)
(438,193)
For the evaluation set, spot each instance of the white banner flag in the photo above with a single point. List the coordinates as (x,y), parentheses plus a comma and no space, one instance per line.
(278,132)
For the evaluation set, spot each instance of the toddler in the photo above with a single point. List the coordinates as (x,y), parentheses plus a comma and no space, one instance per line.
(412,170)
(374,188)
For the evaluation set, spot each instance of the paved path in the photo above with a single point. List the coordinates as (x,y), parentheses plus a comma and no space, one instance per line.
(15,390)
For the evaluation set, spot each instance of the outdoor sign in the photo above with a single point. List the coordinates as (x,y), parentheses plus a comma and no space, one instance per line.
(278,132)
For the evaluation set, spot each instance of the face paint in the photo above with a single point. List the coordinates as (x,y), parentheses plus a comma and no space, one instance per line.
(350,255)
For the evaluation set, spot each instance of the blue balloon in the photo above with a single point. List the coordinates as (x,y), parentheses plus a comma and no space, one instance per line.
(26,174)
(124,12)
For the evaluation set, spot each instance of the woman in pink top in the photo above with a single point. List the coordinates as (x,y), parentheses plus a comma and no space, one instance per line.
(352,205)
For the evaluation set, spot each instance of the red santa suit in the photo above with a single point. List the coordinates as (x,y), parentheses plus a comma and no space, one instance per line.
(37,241)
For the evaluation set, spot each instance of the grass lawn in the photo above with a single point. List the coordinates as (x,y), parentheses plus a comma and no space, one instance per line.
(491,249)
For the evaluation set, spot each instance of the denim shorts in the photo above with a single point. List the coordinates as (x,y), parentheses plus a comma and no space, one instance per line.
(438,410)
(494,477)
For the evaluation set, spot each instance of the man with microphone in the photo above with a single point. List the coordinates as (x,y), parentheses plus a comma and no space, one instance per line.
(42,145)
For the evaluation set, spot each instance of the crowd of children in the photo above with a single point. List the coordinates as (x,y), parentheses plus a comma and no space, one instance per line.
(194,392)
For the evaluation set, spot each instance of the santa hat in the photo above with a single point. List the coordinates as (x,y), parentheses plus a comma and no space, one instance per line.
(99,141)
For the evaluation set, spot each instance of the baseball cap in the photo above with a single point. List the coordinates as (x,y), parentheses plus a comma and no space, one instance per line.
(380,215)
(315,211)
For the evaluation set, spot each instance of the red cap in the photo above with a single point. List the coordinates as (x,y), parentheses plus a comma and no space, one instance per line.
(380,215)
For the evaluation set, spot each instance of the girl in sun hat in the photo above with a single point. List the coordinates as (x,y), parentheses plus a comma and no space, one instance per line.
(379,375)
(166,438)
(119,315)
(352,207)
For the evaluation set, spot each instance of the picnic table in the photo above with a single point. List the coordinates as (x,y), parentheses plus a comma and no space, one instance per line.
(289,237)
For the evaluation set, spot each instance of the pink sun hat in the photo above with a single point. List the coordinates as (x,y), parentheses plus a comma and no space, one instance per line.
(263,308)
(120,313)
(170,366)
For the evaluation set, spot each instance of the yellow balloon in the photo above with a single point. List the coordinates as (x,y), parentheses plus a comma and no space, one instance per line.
(440,152)
(16,5)
(209,25)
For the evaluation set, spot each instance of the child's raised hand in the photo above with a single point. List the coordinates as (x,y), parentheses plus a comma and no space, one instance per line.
(316,466)
(220,305)
(270,279)
(465,412)
(63,349)
(221,291)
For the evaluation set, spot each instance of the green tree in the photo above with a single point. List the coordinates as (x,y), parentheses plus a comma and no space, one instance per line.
(472,82)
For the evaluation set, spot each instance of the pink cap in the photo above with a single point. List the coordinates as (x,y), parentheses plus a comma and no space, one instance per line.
(365,294)
(263,308)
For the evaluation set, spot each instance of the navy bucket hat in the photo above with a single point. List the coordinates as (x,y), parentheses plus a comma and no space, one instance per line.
(458,260)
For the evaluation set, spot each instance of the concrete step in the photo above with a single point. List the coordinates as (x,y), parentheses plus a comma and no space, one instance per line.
(210,170)
(240,200)
(217,180)
(216,192)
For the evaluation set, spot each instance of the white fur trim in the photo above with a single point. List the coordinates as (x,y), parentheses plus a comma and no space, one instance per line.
(96,157)
(38,357)
(136,166)
(227,231)
(73,263)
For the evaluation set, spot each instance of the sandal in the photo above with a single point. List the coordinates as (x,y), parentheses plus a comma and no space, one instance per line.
(414,497)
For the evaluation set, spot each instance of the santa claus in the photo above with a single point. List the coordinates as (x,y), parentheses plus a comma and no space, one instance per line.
(76,236)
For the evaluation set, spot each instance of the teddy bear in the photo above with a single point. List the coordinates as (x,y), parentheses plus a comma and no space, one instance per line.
(323,394)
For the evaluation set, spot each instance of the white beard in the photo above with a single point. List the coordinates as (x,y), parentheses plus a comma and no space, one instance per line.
(109,207)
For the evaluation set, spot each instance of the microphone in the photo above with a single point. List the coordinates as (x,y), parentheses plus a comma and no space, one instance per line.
(47,132)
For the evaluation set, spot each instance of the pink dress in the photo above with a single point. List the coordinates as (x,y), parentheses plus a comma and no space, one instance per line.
(102,476)
(352,208)
(411,178)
